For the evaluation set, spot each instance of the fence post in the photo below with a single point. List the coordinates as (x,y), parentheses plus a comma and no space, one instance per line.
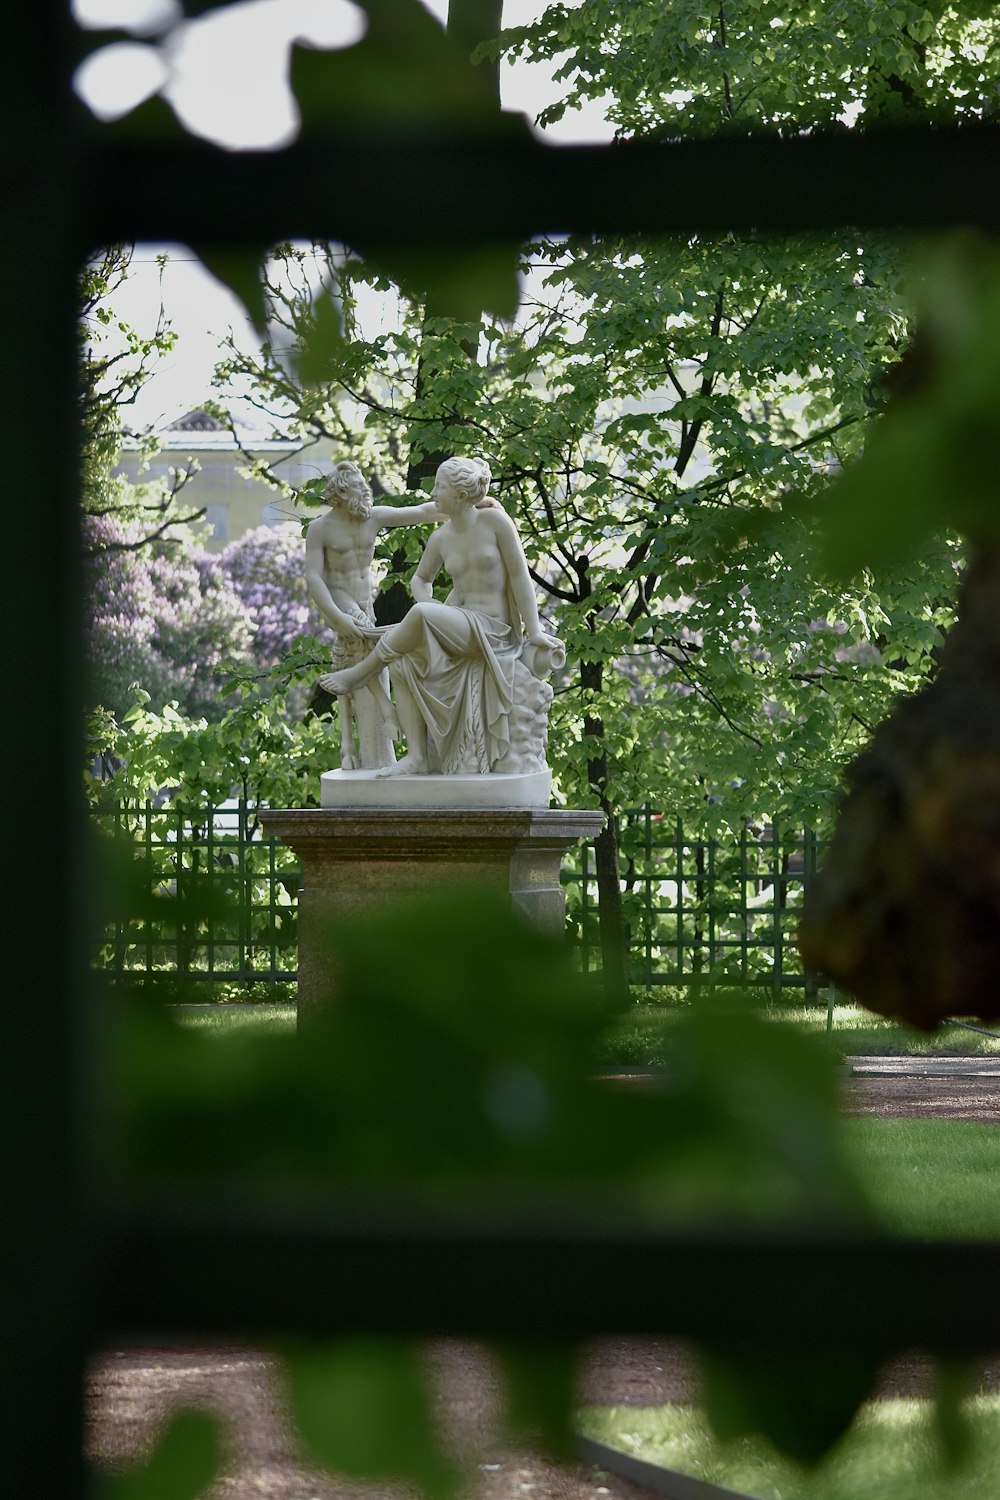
(777,905)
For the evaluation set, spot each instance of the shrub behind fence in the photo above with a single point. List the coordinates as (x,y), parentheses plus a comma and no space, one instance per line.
(725,905)
(214,899)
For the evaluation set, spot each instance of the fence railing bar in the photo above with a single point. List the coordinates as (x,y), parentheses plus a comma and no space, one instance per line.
(692,904)
(374,1267)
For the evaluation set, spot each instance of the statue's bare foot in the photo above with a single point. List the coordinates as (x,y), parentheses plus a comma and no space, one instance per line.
(410,765)
(334,683)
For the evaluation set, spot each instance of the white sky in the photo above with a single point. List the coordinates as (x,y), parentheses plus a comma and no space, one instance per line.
(205,78)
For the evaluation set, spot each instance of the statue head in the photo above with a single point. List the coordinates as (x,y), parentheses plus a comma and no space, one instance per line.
(467,479)
(348,487)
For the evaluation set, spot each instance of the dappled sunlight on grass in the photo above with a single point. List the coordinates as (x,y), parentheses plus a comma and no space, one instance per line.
(641,1036)
(889,1453)
(237,1020)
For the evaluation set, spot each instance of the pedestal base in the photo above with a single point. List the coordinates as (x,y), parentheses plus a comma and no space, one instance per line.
(357,859)
(370,789)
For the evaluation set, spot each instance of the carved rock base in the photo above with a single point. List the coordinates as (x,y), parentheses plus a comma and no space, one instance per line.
(355,860)
(368,789)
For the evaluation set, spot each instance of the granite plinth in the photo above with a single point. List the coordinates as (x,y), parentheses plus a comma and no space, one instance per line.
(356,860)
(370,789)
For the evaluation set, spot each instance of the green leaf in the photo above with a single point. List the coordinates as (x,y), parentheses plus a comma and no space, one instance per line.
(406,73)
(541,1389)
(955,1382)
(184,1463)
(362,1408)
(451,283)
(322,342)
(238,269)
(928,465)
(801,1402)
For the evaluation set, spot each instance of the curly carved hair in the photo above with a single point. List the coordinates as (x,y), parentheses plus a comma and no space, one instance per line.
(338,490)
(468,477)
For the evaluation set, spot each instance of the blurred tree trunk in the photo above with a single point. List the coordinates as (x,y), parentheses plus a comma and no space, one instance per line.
(905,914)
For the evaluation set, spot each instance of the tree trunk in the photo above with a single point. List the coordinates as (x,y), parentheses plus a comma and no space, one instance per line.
(611,908)
(905,913)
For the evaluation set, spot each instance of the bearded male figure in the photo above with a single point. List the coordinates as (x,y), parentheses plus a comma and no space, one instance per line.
(340,547)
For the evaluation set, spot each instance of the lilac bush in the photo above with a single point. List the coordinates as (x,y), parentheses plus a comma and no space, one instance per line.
(164,615)
(266,568)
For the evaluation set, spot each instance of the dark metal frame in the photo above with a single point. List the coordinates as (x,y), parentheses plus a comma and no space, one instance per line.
(78,1272)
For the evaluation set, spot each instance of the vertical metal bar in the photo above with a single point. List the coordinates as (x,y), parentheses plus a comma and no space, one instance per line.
(649,920)
(212,880)
(44,1155)
(147,846)
(243,903)
(679,867)
(776,905)
(744,907)
(584,909)
(122,921)
(710,879)
(811,980)
(181,887)
(272,885)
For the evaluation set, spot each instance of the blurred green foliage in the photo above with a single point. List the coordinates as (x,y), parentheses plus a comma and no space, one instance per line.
(182,1466)
(929,464)
(362,1408)
(454,1065)
(463,1061)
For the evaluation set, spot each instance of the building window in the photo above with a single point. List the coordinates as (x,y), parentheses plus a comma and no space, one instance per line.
(217,517)
(274,515)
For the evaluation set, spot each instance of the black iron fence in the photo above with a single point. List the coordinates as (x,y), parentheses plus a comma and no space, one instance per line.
(726,904)
(216,899)
(212,898)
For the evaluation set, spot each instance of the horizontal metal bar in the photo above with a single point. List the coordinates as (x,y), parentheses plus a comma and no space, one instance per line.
(453,190)
(226,1270)
(668,1482)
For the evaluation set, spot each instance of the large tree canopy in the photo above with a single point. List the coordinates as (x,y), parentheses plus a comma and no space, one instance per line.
(663,417)
(688,68)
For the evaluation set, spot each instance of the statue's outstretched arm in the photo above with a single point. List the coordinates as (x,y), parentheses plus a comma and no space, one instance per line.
(388,516)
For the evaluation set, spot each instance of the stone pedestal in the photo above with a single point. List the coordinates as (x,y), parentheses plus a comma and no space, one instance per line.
(355,860)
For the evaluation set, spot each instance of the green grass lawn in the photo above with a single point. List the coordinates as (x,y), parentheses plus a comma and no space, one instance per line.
(640,1037)
(235,1019)
(930,1178)
(890,1453)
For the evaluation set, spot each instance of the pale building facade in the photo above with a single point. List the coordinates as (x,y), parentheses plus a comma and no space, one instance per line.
(234,502)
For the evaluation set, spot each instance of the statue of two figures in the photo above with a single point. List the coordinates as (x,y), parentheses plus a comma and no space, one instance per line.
(465,680)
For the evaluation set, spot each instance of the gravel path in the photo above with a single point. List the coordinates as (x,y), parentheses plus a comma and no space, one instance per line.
(932,1088)
(131,1390)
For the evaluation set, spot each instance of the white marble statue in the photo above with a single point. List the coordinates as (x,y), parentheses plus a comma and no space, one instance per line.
(468,675)
(340,546)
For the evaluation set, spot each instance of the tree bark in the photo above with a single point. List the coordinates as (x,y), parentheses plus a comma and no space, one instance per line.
(611,907)
(905,913)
